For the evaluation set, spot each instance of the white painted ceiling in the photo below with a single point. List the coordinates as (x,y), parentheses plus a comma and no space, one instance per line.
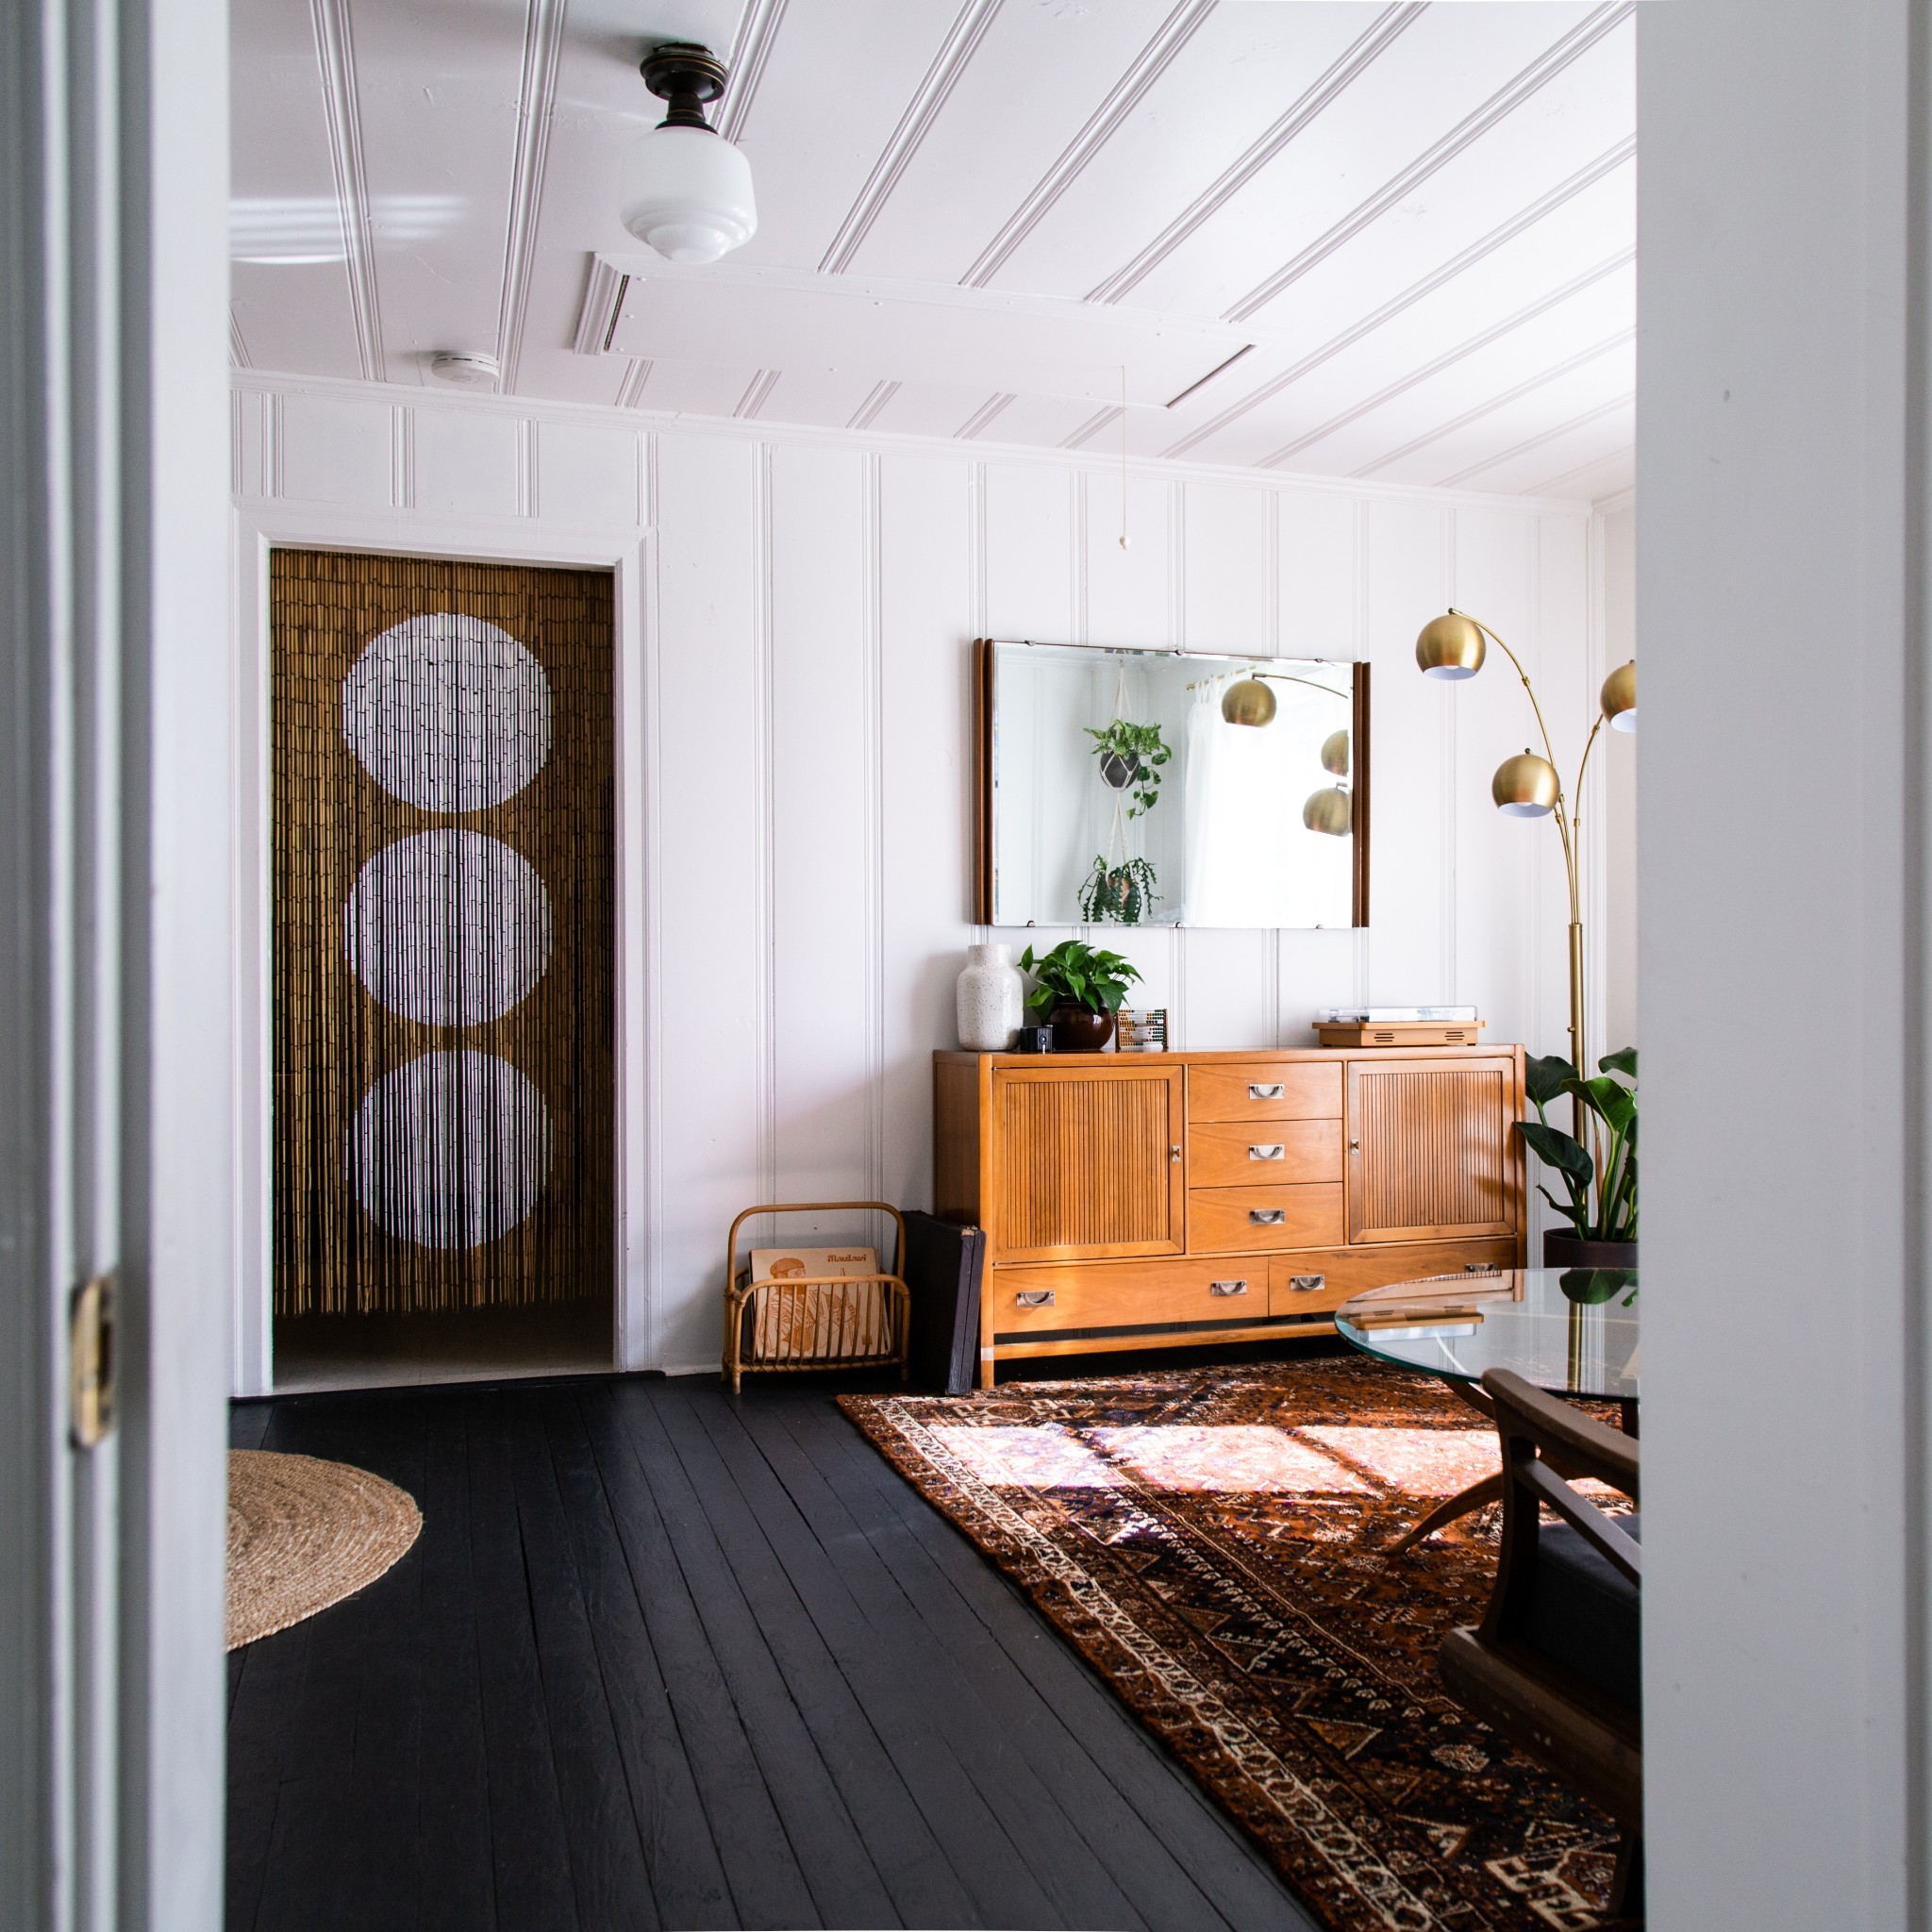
(1418,220)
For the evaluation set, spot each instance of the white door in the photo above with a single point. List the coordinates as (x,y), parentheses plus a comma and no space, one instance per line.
(114,957)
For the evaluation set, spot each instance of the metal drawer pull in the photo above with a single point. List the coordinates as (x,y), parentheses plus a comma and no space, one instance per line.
(1228,1288)
(1034,1297)
(1267,1217)
(1305,1284)
(1274,1093)
(1277,1152)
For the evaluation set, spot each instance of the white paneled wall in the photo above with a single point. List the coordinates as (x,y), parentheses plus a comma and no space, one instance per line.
(797,895)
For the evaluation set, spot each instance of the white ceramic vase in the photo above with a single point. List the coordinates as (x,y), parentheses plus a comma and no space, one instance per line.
(991,1000)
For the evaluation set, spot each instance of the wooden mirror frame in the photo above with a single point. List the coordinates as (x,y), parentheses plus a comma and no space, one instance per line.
(984,660)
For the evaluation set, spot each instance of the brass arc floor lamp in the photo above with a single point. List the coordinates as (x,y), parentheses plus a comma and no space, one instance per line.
(1529,787)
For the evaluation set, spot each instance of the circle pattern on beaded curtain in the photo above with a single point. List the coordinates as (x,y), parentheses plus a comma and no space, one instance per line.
(447,713)
(444,934)
(448,927)
(452,1150)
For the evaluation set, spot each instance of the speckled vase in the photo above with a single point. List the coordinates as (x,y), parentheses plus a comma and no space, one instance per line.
(990,1000)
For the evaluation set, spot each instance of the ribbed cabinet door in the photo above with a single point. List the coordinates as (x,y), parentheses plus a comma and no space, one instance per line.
(1431,1150)
(1088,1160)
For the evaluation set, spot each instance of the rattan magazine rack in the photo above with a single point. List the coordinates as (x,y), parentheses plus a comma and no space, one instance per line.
(821,1321)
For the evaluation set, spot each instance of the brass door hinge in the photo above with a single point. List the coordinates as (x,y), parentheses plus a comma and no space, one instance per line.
(90,1361)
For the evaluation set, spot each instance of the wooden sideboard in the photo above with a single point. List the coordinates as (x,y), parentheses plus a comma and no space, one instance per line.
(1157,1200)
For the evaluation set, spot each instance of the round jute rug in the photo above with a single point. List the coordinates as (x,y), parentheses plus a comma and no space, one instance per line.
(303,1534)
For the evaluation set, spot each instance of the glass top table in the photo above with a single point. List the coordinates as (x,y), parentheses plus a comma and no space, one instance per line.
(1571,1331)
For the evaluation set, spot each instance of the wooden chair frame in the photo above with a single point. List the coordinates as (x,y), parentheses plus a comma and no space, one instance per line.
(842,1351)
(1559,1718)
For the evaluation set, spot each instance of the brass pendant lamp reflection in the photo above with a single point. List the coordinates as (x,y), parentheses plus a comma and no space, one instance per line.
(1248,701)
(1527,787)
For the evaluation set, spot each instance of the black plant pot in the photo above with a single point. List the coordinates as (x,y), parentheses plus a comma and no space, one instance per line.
(1567,1251)
(1120,771)
(1079,1029)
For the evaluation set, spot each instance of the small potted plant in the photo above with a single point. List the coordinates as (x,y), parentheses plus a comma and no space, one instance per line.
(1078,990)
(1602,1186)
(1120,893)
(1131,756)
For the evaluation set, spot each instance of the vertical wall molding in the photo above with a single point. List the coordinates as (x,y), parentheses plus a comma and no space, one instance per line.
(764,684)
(1077,616)
(403,456)
(642,1317)
(874,821)
(1448,886)
(529,499)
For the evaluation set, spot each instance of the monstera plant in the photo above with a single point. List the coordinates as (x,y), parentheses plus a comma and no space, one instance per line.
(1599,1180)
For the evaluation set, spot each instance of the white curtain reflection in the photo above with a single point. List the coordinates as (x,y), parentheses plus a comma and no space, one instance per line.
(1250,860)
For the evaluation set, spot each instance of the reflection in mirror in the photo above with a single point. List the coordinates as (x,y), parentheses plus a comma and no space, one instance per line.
(1144,788)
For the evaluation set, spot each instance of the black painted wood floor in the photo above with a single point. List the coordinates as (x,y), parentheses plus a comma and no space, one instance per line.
(665,1658)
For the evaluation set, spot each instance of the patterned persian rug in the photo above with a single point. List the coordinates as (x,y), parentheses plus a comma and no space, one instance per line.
(1213,1541)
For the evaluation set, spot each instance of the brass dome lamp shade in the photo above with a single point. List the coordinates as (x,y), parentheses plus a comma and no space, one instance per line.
(1453,646)
(1619,697)
(1329,810)
(1248,702)
(1335,754)
(1526,787)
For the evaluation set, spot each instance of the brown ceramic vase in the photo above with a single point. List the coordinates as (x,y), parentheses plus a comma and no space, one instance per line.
(1079,1029)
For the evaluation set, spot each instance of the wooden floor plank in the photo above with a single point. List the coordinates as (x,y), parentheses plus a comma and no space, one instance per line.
(716,1654)
(983,1722)
(1171,1808)
(600,1811)
(680,1856)
(529,1854)
(1095,1810)
(894,1838)
(895,1694)
(453,1878)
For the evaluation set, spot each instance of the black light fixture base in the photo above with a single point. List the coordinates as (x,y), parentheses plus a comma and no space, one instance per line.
(687,75)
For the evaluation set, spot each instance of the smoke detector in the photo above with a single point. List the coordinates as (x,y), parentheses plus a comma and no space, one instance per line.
(466,368)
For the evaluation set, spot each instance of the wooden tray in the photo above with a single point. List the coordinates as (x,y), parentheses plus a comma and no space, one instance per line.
(1430,1033)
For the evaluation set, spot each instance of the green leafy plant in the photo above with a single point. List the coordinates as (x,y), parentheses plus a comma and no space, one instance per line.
(1141,752)
(1119,892)
(1602,1185)
(1077,975)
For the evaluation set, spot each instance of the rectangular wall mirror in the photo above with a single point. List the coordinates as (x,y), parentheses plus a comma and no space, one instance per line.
(1166,787)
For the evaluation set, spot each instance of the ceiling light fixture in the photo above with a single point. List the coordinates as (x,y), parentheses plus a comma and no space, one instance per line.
(684,190)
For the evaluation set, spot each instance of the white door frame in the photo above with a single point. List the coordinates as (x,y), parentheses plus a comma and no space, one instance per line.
(259,528)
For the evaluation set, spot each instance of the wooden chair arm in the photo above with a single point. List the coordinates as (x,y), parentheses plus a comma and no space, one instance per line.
(1584,1446)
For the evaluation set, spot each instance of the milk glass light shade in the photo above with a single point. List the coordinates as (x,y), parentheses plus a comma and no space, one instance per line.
(1526,787)
(686,192)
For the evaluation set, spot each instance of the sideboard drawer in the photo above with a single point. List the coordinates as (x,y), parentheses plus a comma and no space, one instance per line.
(1314,1281)
(1250,1220)
(1266,1091)
(1249,1153)
(1125,1294)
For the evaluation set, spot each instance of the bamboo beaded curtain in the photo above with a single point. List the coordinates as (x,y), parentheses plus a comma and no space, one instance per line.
(443,920)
